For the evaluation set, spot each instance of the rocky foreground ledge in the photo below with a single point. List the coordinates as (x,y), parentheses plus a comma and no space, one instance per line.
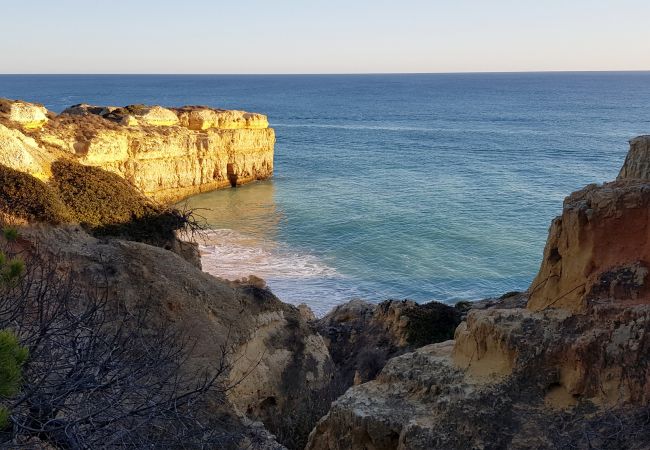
(167,153)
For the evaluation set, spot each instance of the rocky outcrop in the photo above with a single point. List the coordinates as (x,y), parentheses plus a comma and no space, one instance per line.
(27,115)
(23,153)
(597,249)
(167,153)
(276,360)
(361,336)
(571,369)
(637,162)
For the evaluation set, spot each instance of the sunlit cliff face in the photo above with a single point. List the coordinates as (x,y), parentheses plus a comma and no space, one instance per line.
(169,154)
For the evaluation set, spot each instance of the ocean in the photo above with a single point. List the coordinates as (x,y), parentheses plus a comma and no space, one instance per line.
(427,187)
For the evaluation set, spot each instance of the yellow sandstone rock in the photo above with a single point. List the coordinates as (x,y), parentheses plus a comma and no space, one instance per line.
(23,153)
(28,115)
(168,154)
(202,118)
(157,115)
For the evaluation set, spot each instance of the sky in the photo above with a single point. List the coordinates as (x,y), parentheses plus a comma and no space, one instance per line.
(314,36)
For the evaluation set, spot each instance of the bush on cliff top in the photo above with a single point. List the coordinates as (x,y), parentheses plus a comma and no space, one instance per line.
(101,201)
(28,198)
(109,205)
(97,197)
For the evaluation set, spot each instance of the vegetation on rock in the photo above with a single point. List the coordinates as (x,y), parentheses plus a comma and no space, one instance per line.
(107,204)
(431,322)
(12,354)
(101,201)
(99,374)
(28,198)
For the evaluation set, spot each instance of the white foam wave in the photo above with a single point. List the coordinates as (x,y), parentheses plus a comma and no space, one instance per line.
(232,255)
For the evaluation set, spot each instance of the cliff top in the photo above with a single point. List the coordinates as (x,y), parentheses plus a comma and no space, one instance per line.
(199,118)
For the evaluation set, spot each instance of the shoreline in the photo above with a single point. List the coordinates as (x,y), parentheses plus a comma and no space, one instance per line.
(296,278)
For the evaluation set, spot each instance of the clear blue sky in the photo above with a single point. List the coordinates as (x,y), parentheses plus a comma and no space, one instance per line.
(314,36)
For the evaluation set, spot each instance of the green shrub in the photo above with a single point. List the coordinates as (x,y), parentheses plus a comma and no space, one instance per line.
(101,201)
(26,197)
(109,205)
(12,354)
(431,322)
(10,233)
(4,418)
(97,197)
(12,270)
(12,357)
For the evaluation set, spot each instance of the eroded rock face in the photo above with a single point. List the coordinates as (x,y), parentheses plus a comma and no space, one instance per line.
(203,118)
(272,352)
(513,378)
(637,162)
(167,153)
(23,153)
(598,248)
(571,369)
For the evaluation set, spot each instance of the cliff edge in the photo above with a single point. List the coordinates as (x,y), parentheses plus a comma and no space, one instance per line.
(167,153)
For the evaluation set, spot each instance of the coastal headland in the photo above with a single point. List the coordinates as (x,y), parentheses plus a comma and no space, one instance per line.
(167,153)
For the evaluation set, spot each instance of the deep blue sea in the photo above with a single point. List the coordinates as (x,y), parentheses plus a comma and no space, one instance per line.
(428,187)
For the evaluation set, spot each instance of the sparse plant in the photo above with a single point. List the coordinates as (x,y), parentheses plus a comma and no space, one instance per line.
(99,374)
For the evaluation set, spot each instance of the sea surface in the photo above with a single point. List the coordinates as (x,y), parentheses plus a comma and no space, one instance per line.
(428,187)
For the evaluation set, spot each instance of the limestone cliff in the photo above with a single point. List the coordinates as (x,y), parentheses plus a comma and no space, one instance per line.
(569,370)
(167,153)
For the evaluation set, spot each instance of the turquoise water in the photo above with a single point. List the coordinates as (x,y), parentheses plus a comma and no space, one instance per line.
(404,186)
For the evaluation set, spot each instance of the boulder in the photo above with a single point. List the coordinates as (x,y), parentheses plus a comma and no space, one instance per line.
(27,115)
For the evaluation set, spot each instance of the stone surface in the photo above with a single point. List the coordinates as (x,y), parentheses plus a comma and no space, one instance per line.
(203,118)
(569,369)
(167,154)
(23,153)
(598,248)
(362,336)
(277,360)
(26,115)
(637,162)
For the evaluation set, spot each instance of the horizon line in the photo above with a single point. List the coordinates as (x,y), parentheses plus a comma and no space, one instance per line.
(318,73)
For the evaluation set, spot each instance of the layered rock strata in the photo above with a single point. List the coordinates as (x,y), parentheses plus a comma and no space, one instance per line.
(167,153)
(571,369)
